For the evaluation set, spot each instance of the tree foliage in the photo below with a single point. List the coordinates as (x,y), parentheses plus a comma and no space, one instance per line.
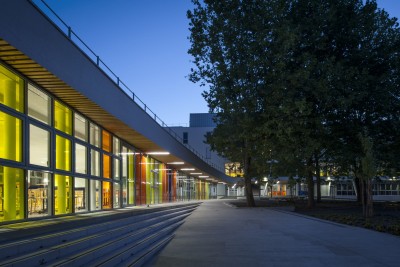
(303,78)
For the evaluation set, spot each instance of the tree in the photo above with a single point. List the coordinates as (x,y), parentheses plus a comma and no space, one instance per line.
(300,77)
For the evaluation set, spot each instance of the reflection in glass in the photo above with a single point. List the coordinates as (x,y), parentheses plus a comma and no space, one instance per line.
(94,135)
(39,146)
(39,104)
(80,158)
(81,131)
(94,162)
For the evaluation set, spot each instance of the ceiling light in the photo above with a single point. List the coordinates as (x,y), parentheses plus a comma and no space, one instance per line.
(196,173)
(176,163)
(158,153)
(187,169)
(204,176)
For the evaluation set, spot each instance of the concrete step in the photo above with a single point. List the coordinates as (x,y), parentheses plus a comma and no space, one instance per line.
(40,243)
(50,248)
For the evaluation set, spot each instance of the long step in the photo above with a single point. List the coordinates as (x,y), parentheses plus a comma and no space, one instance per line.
(45,242)
(135,251)
(61,250)
(102,253)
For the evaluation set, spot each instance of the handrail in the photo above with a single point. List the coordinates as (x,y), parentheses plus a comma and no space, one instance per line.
(121,85)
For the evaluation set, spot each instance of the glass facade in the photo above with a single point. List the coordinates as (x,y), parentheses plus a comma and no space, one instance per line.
(55,161)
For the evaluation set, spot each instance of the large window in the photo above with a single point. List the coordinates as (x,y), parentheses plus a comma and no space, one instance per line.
(116,169)
(62,118)
(94,162)
(107,193)
(81,131)
(106,166)
(39,146)
(81,194)
(12,194)
(39,105)
(63,153)
(106,141)
(11,90)
(39,194)
(62,194)
(116,146)
(95,195)
(94,135)
(116,202)
(10,137)
(80,158)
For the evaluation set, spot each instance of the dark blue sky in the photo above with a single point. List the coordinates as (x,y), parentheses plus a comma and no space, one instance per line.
(145,43)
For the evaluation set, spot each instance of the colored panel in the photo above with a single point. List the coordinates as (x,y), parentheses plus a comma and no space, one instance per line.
(107,195)
(10,137)
(11,194)
(143,168)
(11,90)
(63,153)
(138,179)
(62,194)
(131,177)
(106,166)
(149,181)
(106,141)
(62,118)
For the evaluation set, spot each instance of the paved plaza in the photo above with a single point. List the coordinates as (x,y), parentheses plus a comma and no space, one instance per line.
(217,234)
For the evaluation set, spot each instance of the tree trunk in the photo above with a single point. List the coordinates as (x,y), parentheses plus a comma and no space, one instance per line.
(247,182)
(318,176)
(369,201)
(357,183)
(310,183)
(363,197)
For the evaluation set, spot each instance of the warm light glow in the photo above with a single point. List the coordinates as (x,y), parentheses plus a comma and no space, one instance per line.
(187,169)
(158,153)
(176,163)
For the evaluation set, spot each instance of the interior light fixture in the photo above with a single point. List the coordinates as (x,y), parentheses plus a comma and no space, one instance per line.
(204,176)
(187,169)
(176,163)
(196,173)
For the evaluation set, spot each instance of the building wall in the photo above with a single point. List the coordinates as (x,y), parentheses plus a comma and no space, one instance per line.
(56,161)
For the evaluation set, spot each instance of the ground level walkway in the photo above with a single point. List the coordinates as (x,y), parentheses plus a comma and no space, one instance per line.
(217,234)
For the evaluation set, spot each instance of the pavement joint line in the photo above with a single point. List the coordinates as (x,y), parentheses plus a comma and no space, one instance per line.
(312,218)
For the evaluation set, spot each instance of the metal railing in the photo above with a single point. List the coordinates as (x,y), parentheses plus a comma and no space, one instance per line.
(68,31)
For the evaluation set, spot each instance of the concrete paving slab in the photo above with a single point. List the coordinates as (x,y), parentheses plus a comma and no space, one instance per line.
(217,234)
